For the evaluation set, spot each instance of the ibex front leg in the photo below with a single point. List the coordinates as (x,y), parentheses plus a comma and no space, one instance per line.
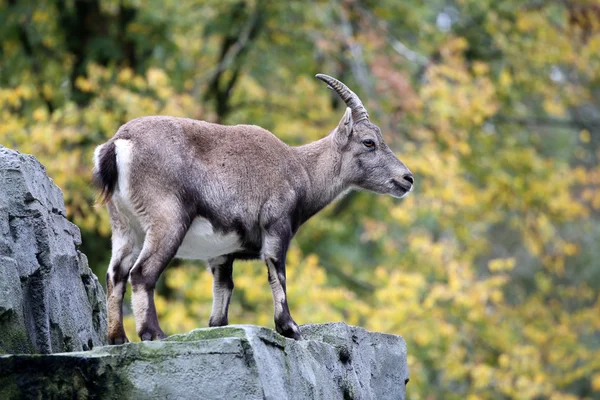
(274,251)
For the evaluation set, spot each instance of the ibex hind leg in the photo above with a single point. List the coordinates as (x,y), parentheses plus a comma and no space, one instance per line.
(126,246)
(222,270)
(163,237)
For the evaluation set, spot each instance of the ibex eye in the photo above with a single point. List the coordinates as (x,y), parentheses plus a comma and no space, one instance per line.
(368,143)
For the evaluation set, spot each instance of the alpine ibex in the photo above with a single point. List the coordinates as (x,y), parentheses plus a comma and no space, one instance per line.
(177,187)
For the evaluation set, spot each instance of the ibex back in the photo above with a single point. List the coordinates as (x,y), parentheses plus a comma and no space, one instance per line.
(178,187)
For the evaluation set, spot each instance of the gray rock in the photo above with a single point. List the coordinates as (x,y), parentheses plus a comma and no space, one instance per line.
(334,361)
(50,301)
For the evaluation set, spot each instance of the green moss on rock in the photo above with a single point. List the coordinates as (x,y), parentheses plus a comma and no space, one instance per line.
(240,361)
(209,333)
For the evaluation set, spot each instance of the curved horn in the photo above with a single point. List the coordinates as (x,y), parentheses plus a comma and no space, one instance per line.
(359,112)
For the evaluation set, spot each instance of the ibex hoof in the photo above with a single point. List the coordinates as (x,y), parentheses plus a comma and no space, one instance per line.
(290,330)
(148,336)
(121,339)
(216,321)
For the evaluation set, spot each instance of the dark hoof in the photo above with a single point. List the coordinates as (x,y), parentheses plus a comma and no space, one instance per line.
(119,339)
(213,322)
(151,336)
(290,330)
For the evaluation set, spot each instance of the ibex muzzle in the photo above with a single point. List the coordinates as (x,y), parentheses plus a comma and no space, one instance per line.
(177,187)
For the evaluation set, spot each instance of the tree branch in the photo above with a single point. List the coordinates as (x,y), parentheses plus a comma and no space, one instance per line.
(357,64)
(399,47)
(35,64)
(232,50)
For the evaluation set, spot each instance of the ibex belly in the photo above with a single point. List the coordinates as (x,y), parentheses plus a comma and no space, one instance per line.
(202,242)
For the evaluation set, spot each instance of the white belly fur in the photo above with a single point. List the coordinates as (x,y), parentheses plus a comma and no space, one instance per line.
(202,242)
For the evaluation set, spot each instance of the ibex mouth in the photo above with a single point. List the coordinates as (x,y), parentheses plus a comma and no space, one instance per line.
(404,188)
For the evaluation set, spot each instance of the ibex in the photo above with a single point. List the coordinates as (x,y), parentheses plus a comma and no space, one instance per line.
(177,187)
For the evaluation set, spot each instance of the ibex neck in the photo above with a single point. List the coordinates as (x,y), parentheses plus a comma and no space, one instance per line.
(322,163)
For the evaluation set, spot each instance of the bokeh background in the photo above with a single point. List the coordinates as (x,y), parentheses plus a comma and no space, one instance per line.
(489,270)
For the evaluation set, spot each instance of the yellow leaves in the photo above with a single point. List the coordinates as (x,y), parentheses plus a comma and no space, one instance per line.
(501,264)
(482,376)
(436,294)
(474,397)
(580,175)
(40,114)
(536,335)
(47,90)
(596,382)
(83,84)
(374,230)
(125,75)
(563,396)
(177,278)
(10,47)
(455,46)
(528,21)
(424,338)
(40,16)
(554,106)
(543,283)
(570,249)
(129,324)
(11,97)
(505,79)
(463,147)
(455,94)
(480,68)
(158,80)
(584,136)
(404,214)
(250,88)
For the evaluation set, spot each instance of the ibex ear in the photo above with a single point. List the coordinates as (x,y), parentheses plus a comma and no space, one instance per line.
(344,128)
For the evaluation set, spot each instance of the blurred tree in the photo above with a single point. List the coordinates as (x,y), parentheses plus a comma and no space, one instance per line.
(489,269)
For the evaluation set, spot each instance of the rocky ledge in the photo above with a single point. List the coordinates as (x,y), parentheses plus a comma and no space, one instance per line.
(335,361)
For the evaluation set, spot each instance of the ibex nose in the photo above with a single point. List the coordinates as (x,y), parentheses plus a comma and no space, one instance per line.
(409,177)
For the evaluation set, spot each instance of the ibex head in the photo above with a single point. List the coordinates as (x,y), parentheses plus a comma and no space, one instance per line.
(366,161)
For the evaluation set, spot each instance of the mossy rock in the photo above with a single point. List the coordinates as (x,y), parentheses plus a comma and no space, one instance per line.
(334,361)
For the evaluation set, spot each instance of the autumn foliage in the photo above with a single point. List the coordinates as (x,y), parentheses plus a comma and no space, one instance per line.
(489,270)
